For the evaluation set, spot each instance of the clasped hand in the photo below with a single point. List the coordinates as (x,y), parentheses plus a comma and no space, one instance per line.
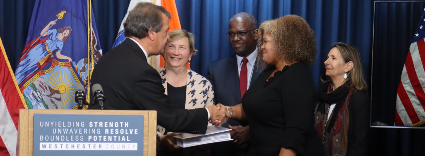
(218,114)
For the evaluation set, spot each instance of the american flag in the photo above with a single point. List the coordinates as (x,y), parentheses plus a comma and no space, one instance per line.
(410,104)
(11,100)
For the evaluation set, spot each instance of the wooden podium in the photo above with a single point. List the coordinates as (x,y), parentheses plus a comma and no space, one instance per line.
(26,126)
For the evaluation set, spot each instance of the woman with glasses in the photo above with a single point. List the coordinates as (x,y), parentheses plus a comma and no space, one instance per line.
(342,114)
(185,88)
(279,105)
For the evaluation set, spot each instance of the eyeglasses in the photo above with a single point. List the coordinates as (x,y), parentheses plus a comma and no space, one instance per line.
(239,34)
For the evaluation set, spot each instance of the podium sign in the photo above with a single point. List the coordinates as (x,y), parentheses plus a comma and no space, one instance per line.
(87,132)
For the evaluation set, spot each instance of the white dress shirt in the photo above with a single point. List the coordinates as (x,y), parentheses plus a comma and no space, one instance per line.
(249,65)
(143,49)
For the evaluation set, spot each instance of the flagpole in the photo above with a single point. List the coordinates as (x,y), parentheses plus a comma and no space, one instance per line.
(21,96)
(91,45)
(88,52)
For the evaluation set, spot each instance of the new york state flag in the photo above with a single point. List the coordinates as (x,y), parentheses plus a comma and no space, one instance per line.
(59,53)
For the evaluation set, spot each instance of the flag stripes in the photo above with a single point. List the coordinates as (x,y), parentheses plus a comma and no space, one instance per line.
(410,94)
(11,100)
(8,133)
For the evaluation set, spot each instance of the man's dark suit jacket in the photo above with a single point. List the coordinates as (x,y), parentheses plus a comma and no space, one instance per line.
(223,75)
(130,83)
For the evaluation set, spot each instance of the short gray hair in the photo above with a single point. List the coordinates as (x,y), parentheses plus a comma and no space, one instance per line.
(144,16)
(246,16)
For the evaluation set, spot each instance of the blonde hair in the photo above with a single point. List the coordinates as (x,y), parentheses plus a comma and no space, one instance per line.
(350,53)
(178,34)
(293,38)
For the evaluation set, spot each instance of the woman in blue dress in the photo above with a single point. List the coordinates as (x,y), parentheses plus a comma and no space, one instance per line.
(37,55)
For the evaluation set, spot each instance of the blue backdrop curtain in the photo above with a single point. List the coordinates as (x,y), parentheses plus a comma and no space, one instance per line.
(109,15)
(348,21)
(332,21)
(15,17)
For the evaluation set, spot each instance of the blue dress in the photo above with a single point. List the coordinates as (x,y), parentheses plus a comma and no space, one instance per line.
(29,64)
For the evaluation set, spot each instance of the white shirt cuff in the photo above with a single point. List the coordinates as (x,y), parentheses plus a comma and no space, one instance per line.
(208,113)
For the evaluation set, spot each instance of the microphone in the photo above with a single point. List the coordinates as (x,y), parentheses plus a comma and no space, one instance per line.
(98,95)
(80,95)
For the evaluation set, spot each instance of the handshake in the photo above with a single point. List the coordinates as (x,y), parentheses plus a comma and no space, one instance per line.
(219,114)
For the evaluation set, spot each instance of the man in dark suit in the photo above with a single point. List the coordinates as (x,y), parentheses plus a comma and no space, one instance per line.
(231,77)
(130,83)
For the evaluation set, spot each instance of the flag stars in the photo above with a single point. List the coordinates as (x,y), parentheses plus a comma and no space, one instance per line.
(417,35)
(420,27)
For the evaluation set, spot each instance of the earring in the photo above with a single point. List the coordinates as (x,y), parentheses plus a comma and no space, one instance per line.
(345,76)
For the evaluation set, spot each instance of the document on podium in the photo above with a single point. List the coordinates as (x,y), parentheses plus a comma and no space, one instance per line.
(213,134)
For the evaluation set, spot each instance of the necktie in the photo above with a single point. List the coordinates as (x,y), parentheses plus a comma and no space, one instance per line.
(243,81)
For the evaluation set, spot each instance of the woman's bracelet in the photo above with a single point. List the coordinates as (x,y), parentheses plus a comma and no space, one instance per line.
(229,110)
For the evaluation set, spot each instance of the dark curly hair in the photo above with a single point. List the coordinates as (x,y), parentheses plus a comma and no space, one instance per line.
(294,40)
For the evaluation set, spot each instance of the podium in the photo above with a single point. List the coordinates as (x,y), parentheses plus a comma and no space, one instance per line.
(103,131)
